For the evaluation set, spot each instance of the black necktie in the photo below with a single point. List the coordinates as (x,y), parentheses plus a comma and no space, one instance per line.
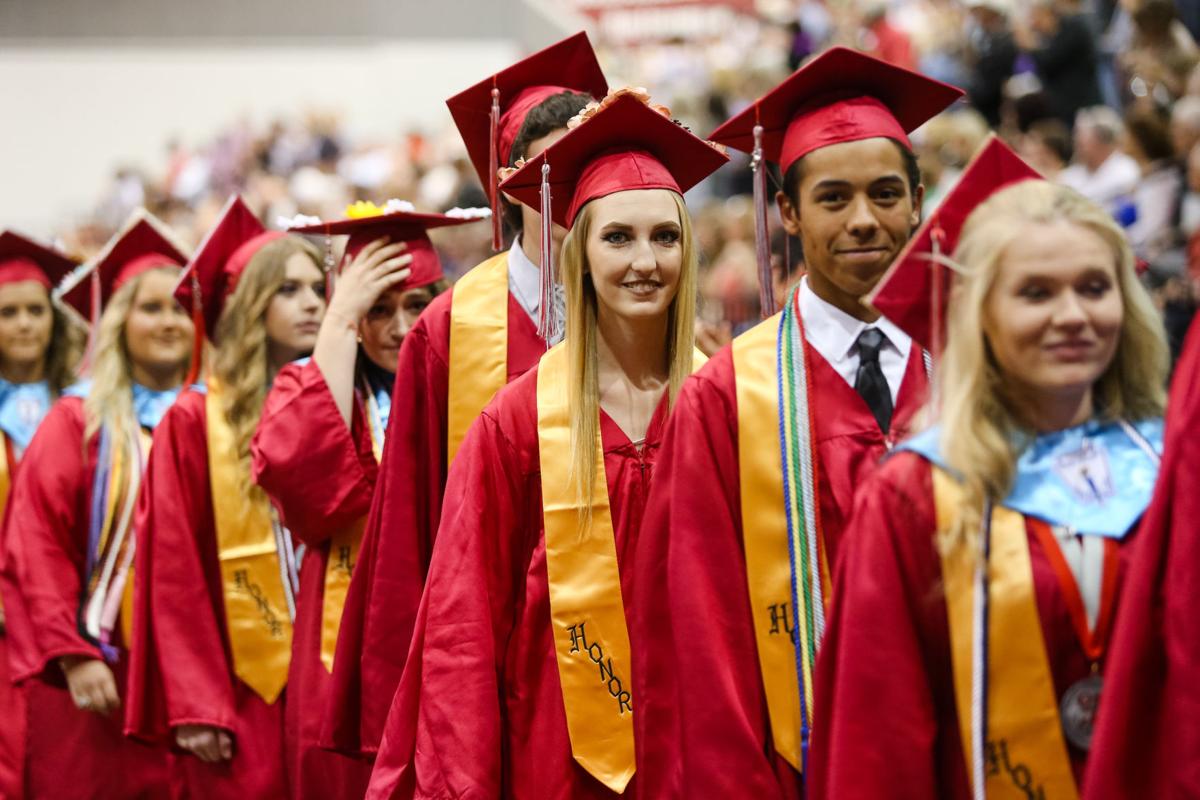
(869,382)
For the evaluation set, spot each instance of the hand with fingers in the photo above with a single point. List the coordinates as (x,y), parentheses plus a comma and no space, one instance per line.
(208,743)
(373,271)
(91,683)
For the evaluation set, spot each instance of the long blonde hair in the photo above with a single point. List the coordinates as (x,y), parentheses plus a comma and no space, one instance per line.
(583,373)
(240,356)
(67,338)
(981,435)
(110,400)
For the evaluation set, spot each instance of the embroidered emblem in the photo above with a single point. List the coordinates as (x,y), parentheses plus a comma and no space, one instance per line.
(1085,472)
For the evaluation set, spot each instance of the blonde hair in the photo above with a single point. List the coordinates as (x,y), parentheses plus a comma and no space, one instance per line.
(981,435)
(583,374)
(240,355)
(110,400)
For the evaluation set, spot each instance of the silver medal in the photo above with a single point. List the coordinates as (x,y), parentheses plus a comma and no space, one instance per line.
(1078,710)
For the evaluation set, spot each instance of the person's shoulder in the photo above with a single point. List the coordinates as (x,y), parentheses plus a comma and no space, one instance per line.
(188,408)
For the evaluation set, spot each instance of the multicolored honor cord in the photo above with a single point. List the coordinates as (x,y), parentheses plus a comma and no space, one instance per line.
(805,543)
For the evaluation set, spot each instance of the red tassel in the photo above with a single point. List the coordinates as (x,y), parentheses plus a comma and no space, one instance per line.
(89,353)
(494,171)
(762,234)
(198,336)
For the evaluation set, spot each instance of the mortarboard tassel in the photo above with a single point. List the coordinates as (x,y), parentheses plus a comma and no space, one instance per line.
(494,171)
(89,353)
(330,272)
(198,338)
(549,325)
(937,238)
(762,235)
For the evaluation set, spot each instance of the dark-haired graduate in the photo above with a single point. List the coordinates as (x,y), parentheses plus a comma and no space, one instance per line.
(39,349)
(469,343)
(968,645)
(770,440)
(215,586)
(519,682)
(317,448)
(69,529)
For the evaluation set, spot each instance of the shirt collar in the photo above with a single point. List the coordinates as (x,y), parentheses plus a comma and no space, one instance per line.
(832,331)
(524,278)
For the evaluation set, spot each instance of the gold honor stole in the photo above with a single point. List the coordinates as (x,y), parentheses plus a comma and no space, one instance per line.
(257,617)
(5,474)
(765,532)
(343,550)
(587,613)
(478,346)
(1026,755)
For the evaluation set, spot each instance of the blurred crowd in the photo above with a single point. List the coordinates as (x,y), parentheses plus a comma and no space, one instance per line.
(1102,95)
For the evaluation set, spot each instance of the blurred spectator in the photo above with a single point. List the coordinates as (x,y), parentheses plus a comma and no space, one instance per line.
(880,38)
(1100,172)
(1061,44)
(1047,147)
(1156,195)
(944,146)
(1185,126)
(992,55)
(1189,206)
(1161,53)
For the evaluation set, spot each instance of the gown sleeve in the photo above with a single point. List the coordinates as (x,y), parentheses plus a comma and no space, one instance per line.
(385,589)
(319,472)
(46,545)
(443,735)
(876,719)
(179,641)
(701,724)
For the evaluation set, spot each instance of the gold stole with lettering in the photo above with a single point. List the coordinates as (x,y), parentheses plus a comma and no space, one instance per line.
(1026,750)
(765,531)
(257,616)
(343,552)
(587,612)
(478,365)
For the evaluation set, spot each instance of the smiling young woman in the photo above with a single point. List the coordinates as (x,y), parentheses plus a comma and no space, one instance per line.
(519,681)
(67,567)
(1052,389)
(215,596)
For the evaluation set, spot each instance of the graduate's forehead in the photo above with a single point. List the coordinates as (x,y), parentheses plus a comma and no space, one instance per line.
(858,163)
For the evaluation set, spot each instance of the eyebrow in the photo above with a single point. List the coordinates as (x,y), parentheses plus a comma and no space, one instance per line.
(837,183)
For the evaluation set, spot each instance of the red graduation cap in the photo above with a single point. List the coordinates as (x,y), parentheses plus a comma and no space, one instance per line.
(840,96)
(23,259)
(367,222)
(489,115)
(143,243)
(624,144)
(914,291)
(218,263)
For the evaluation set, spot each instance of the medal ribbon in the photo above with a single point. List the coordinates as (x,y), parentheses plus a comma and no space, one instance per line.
(343,549)
(255,574)
(1025,753)
(785,560)
(587,612)
(1093,641)
(478,346)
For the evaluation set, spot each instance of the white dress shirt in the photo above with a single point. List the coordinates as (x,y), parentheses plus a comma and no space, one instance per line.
(524,280)
(1116,178)
(834,334)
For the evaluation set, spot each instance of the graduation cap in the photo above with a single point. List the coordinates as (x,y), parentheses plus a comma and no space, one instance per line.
(489,115)
(914,291)
(621,145)
(399,222)
(143,243)
(23,259)
(213,272)
(840,96)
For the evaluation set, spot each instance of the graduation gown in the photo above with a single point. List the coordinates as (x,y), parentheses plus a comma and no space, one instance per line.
(181,672)
(886,723)
(479,713)
(1147,741)
(46,541)
(385,590)
(703,721)
(320,475)
(12,700)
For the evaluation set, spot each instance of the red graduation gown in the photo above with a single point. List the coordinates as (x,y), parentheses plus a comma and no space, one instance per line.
(702,722)
(886,724)
(1147,737)
(46,551)
(479,713)
(181,672)
(12,699)
(320,475)
(385,590)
